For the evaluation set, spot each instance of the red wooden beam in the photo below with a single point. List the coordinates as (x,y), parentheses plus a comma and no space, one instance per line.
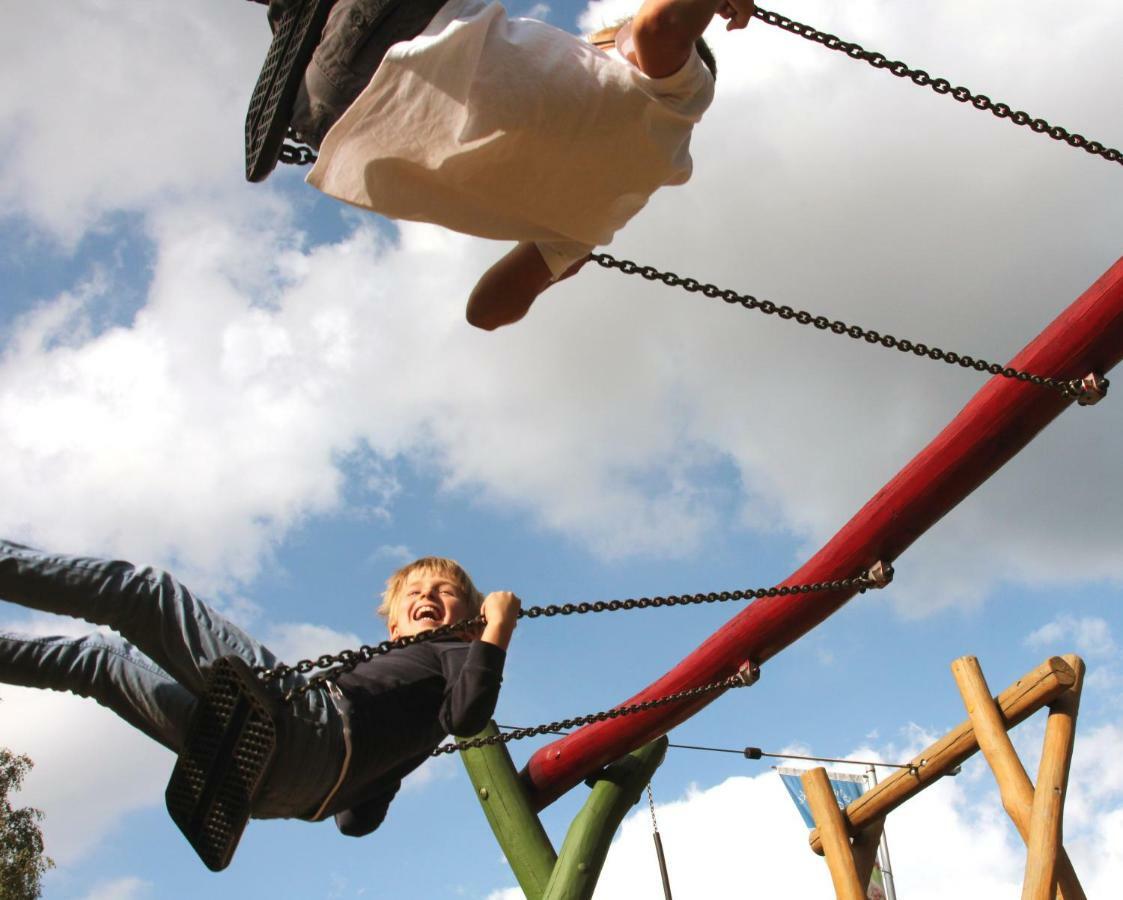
(997,423)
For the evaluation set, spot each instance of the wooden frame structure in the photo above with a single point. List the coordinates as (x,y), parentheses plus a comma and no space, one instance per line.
(848,838)
(992,428)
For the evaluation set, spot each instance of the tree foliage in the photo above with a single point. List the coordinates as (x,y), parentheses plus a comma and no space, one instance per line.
(22,862)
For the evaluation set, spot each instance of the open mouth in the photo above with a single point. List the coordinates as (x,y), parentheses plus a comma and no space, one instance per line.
(428,613)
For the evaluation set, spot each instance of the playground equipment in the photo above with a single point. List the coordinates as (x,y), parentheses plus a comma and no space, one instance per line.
(620,747)
(849,838)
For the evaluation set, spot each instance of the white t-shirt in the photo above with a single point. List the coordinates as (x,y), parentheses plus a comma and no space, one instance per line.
(514,130)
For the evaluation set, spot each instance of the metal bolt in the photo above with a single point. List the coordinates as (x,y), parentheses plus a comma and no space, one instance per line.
(1093,388)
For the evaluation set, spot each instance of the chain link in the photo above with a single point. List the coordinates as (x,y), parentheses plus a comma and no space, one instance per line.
(297,156)
(346,660)
(517,734)
(1073,388)
(940,85)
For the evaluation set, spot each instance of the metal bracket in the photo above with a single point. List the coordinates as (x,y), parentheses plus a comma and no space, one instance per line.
(1093,388)
(879,575)
(749,673)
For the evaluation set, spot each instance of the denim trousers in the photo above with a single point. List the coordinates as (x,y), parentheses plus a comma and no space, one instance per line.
(152,671)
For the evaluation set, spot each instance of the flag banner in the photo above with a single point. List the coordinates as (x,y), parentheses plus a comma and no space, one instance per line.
(846,787)
(876,890)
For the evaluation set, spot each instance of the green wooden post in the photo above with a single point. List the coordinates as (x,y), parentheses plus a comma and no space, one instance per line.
(517,828)
(617,789)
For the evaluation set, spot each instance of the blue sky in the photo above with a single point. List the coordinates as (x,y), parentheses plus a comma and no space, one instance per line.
(278,399)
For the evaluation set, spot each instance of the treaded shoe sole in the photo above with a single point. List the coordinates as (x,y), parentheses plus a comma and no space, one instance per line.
(230,743)
(267,121)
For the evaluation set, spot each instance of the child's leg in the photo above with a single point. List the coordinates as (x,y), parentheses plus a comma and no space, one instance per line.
(356,37)
(147,606)
(109,670)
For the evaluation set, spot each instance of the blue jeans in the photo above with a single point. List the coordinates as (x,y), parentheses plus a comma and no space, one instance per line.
(152,673)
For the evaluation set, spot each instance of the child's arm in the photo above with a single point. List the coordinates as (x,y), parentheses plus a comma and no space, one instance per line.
(664,31)
(472,688)
(501,610)
(507,290)
(365,817)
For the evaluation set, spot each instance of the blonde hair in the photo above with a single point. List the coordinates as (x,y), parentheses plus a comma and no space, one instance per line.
(448,568)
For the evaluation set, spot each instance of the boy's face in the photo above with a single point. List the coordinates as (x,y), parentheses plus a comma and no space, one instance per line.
(428,600)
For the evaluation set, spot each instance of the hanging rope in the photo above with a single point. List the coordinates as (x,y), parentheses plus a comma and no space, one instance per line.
(344,661)
(940,85)
(1085,391)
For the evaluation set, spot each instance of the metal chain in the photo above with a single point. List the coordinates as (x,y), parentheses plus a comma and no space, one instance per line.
(1073,388)
(940,85)
(733,681)
(346,660)
(294,155)
(651,806)
(297,156)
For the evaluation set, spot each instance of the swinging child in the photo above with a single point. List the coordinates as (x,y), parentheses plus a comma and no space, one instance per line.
(343,749)
(506,128)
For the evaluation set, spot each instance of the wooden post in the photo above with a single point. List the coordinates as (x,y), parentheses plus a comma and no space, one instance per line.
(865,846)
(1044,844)
(1024,697)
(1013,783)
(516,826)
(836,839)
(617,789)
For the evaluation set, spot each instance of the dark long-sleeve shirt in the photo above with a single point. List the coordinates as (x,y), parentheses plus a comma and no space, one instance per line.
(401,706)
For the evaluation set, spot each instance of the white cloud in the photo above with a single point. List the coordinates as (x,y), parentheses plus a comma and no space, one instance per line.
(1089,635)
(257,366)
(133,105)
(398,553)
(292,641)
(437,769)
(126,888)
(745,831)
(539,11)
(91,769)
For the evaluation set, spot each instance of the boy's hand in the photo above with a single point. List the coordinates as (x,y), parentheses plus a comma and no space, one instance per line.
(501,610)
(736,13)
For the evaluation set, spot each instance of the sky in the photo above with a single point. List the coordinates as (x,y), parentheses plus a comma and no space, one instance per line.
(277,398)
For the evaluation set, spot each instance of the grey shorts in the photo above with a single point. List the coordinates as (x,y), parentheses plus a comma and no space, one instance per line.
(357,35)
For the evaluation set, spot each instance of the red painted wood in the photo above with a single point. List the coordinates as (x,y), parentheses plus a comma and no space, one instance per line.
(997,423)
